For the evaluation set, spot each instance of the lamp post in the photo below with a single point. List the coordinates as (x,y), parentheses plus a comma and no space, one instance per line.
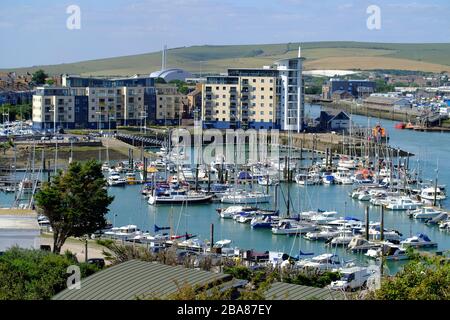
(54,136)
(98,127)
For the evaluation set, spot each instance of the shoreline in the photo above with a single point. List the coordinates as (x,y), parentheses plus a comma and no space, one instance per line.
(378,113)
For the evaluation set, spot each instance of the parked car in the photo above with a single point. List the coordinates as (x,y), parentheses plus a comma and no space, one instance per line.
(98,261)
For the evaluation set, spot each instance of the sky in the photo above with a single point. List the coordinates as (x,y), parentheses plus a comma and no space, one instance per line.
(35,32)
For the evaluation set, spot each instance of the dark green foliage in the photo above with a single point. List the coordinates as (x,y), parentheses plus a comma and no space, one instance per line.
(160,81)
(421,279)
(36,275)
(75,202)
(17,112)
(39,77)
(239,272)
(382,86)
(181,86)
(319,280)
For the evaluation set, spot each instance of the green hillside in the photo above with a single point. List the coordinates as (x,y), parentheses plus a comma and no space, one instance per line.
(319,55)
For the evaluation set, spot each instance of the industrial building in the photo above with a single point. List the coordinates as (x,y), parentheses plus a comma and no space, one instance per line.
(356,88)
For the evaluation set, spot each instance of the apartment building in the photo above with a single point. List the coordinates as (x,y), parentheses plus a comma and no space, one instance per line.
(267,98)
(98,103)
(170,104)
(53,105)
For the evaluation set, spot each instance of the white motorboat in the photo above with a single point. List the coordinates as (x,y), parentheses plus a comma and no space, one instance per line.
(244,218)
(292,227)
(326,261)
(341,240)
(444,225)
(179,196)
(264,181)
(116,180)
(322,235)
(388,251)
(124,233)
(425,213)
(323,217)
(246,198)
(428,195)
(231,211)
(388,235)
(344,162)
(342,176)
(307,179)
(419,241)
(105,166)
(403,203)
(224,247)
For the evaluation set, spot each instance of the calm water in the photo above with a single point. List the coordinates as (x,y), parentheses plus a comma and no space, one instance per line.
(430,149)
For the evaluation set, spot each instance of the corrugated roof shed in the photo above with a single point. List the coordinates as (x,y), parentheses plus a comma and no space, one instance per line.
(288,291)
(138,279)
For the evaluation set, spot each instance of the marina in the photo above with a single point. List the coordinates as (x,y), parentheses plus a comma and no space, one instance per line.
(328,229)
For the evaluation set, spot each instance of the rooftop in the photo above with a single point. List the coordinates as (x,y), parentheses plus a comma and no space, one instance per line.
(15,219)
(139,279)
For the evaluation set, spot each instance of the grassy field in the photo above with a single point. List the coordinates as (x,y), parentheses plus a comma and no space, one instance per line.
(319,55)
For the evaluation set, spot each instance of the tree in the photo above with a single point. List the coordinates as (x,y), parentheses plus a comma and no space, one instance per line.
(423,278)
(75,202)
(39,77)
(160,80)
(36,275)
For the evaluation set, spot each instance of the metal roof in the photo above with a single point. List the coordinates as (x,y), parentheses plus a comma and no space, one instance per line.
(288,291)
(138,279)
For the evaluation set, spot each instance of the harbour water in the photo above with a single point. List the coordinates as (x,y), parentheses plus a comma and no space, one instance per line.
(431,149)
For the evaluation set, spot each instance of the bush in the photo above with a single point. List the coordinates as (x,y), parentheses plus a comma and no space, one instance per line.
(36,275)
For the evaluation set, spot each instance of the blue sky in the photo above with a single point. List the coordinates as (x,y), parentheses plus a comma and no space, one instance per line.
(34,32)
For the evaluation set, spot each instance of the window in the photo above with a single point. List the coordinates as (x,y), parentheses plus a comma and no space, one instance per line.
(224,96)
(271,80)
(217,111)
(270,97)
(223,104)
(223,119)
(262,80)
(271,89)
(224,88)
(262,89)
(223,111)
(261,113)
(254,80)
(217,88)
(262,97)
